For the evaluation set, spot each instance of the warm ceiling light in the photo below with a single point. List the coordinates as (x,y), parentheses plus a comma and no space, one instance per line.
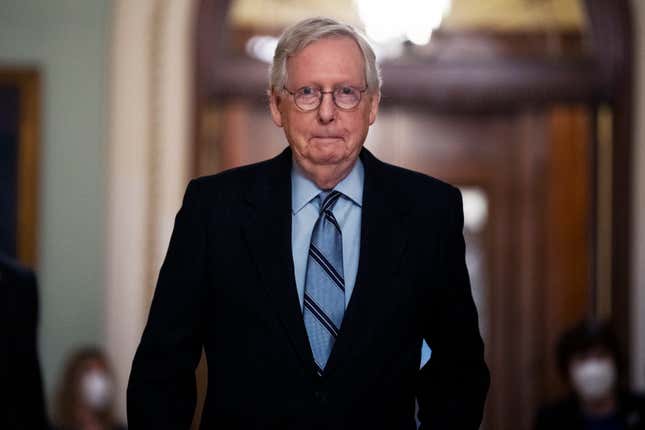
(414,20)
(262,48)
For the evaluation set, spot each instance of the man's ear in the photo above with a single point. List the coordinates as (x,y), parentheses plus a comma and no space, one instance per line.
(274,105)
(374,103)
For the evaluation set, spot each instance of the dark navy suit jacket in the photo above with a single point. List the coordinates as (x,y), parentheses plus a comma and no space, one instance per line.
(227,284)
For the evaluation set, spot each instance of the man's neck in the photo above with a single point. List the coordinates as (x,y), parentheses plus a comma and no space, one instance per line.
(326,176)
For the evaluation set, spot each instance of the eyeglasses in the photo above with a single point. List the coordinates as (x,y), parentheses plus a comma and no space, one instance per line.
(344,97)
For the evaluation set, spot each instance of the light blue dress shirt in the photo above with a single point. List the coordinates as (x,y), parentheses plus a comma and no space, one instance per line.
(347,211)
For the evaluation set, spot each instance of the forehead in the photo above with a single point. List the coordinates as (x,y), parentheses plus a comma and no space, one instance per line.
(327,61)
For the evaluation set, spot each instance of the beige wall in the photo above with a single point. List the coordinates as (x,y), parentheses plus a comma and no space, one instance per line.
(147,161)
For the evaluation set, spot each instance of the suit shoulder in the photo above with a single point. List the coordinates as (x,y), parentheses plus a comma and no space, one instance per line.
(416,179)
(13,269)
(19,287)
(231,185)
(424,190)
(235,176)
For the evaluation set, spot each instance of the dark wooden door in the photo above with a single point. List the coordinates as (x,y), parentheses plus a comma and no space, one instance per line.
(527,253)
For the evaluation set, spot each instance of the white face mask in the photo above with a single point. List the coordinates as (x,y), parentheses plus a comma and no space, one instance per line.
(593,378)
(96,389)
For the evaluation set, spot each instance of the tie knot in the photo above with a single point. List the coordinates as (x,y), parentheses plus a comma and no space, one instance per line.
(328,199)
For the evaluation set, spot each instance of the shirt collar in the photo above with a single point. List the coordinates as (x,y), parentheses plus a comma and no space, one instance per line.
(303,189)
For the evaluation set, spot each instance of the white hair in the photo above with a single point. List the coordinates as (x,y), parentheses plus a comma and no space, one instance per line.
(300,35)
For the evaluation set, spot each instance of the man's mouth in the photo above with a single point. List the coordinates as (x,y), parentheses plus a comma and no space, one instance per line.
(327,138)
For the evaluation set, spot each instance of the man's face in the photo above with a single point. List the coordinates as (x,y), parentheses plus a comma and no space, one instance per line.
(326,136)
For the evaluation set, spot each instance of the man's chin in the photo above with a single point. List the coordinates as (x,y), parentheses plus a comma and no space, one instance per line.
(327,158)
(331,160)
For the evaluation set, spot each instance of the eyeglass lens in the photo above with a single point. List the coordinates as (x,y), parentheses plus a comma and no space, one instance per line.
(308,98)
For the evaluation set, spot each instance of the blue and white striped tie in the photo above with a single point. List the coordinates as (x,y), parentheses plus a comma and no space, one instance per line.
(324,301)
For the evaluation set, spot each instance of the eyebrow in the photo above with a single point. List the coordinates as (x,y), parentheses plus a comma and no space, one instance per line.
(341,84)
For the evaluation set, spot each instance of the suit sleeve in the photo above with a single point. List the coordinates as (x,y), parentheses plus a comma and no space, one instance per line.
(453,385)
(161,390)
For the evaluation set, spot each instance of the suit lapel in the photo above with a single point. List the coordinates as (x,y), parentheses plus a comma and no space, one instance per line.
(383,239)
(268,234)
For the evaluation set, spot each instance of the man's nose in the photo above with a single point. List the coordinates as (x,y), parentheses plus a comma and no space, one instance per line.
(327,109)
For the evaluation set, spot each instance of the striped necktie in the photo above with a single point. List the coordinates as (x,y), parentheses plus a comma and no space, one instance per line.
(324,298)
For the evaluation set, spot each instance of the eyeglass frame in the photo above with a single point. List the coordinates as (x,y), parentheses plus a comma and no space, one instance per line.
(333,97)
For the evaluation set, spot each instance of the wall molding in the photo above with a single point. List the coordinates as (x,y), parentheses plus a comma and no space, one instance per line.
(148,167)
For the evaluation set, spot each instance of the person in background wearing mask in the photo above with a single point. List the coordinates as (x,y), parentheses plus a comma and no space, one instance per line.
(590,363)
(86,393)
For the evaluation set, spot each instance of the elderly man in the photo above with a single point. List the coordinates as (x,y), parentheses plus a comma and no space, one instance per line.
(311,279)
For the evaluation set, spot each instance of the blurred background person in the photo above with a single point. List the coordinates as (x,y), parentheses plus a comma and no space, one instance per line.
(85,398)
(590,364)
(20,378)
